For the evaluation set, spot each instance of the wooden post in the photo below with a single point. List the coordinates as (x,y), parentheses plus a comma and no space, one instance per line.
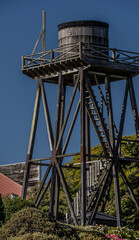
(52,55)
(67,115)
(71,127)
(82,147)
(62,110)
(134,199)
(87,126)
(80,49)
(110,112)
(57,129)
(113,55)
(43,34)
(67,194)
(115,160)
(47,117)
(31,141)
(134,106)
(121,126)
(23,62)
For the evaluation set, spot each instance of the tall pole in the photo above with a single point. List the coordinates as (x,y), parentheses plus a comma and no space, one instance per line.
(87,126)
(43,30)
(82,147)
(62,110)
(31,141)
(134,106)
(57,129)
(115,159)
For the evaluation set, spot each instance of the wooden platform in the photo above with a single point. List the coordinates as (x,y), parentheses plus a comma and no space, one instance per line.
(47,66)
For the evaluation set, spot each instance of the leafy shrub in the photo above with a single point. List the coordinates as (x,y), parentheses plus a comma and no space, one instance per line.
(130,214)
(12,206)
(120,232)
(32,224)
(27,220)
(35,236)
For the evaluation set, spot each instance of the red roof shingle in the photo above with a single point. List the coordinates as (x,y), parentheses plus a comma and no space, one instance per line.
(8,186)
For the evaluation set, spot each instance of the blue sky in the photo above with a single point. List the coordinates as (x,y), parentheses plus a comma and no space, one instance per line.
(20,25)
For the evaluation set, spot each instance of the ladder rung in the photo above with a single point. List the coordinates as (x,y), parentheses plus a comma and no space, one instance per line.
(103,136)
(94,108)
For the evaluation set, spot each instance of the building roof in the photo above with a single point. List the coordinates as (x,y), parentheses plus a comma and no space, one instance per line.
(8,186)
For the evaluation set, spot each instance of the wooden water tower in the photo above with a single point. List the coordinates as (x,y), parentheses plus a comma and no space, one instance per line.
(83,61)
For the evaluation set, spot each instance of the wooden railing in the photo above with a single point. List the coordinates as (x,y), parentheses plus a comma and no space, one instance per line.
(80,50)
(95,171)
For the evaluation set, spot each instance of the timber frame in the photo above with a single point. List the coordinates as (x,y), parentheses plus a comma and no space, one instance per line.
(83,68)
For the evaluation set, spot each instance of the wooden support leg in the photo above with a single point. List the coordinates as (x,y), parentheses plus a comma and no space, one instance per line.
(117,193)
(47,117)
(87,136)
(43,182)
(87,148)
(82,148)
(67,194)
(52,193)
(115,160)
(121,126)
(31,141)
(71,127)
(57,129)
(57,188)
(106,194)
(129,188)
(134,106)
(57,191)
(67,115)
(42,195)
(26,177)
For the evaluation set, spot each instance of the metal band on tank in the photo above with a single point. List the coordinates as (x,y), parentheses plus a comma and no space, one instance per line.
(82,24)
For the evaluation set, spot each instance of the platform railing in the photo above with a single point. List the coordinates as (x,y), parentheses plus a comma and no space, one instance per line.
(82,51)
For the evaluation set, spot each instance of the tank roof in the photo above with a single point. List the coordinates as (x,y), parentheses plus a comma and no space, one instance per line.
(82,23)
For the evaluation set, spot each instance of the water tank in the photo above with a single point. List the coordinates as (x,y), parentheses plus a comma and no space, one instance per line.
(94,32)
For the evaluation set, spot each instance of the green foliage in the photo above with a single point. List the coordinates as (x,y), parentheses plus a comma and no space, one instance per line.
(120,232)
(130,213)
(36,236)
(130,149)
(30,223)
(72,176)
(2,215)
(12,206)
